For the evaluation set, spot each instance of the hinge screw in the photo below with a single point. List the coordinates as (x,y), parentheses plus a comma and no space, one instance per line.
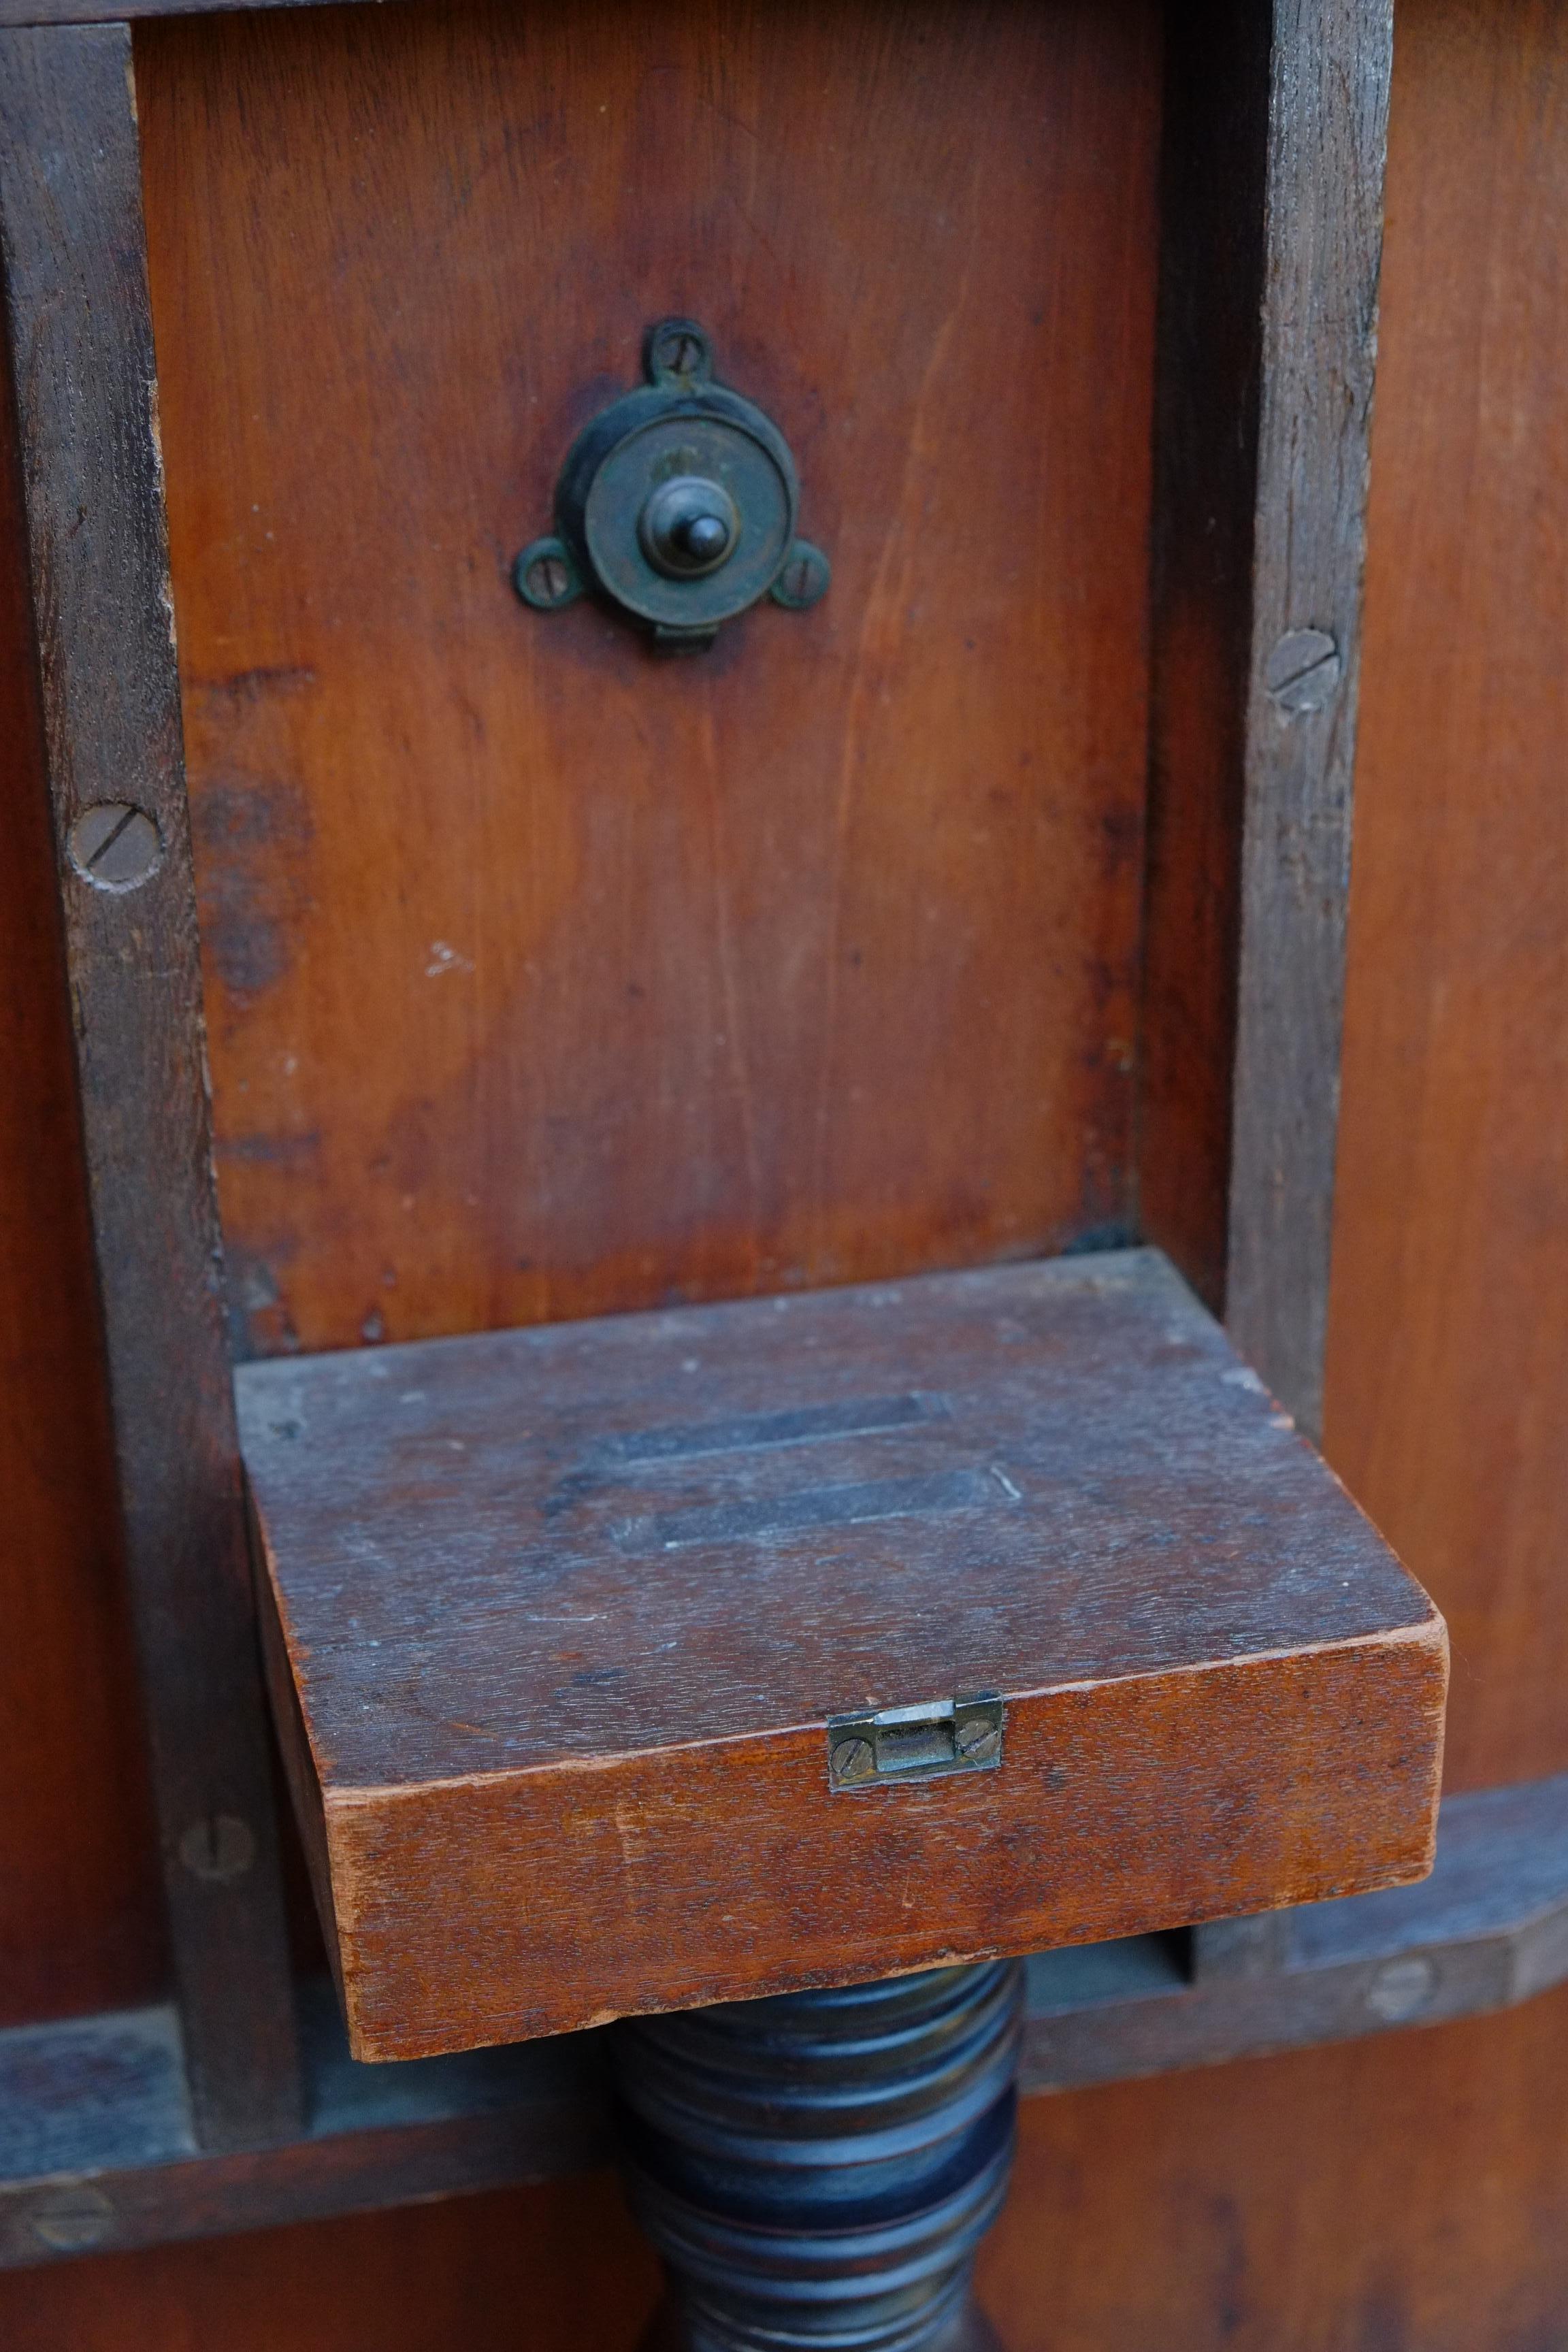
(977,1741)
(853,1759)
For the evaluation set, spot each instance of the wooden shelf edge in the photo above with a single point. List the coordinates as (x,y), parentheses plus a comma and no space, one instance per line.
(96,2151)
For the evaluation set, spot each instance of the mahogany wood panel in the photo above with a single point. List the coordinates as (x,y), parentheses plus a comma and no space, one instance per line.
(557,2268)
(1450,1331)
(546,976)
(1411,2195)
(1392,2195)
(563,1615)
(91,468)
(80,1911)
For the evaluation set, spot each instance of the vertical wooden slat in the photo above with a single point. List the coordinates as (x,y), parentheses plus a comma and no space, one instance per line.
(76,308)
(1213,166)
(1328,125)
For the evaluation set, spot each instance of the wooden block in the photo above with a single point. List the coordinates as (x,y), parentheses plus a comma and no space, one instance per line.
(558,1620)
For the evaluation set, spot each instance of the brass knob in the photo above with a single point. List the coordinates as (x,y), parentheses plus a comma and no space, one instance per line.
(688,526)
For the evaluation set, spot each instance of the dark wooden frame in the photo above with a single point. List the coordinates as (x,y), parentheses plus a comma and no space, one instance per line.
(1269,273)
(81,364)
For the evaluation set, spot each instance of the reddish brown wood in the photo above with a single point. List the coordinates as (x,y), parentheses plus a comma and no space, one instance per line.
(1450,1393)
(570,1609)
(547,978)
(1405,2192)
(1412,2192)
(81,1915)
(558,2267)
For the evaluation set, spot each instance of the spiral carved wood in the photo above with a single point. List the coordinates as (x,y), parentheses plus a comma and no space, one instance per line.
(818,2169)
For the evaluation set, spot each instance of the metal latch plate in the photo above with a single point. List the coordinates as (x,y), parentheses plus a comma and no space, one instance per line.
(915,1743)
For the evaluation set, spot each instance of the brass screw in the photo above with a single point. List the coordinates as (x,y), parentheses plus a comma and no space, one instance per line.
(549,579)
(852,1759)
(678,352)
(544,577)
(977,1739)
(805,578)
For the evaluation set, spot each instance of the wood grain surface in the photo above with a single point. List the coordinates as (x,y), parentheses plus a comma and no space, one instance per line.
(1405,2192)
(1322,254)
(1450,1322)
(1403,2195)
(570,1609)
(559,2268)
(1411,2194)
(81,1923)
(546,976)
(76,287)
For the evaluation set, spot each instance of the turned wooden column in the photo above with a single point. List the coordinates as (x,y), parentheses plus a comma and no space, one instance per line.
(817,2170)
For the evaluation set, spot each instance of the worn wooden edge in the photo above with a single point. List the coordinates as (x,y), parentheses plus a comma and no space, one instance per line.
(81,366)
(1328,135)
(1488,1928)
(391,1865)
(96,2152)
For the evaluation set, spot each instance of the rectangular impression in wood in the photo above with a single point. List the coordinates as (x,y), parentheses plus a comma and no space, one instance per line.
(82,366)
(558,1620)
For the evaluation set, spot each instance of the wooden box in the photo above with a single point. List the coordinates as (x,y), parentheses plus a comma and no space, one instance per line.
(577,1633)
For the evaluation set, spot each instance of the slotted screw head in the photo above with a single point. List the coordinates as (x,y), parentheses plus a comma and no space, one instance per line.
(115,846)
(1303,672)
(678,353)
(977,1739)
(71,2220)
(218,1850)
(545,576)
(852,1759)
(804,579)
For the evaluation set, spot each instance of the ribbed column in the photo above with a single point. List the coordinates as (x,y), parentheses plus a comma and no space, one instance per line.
(817,2170)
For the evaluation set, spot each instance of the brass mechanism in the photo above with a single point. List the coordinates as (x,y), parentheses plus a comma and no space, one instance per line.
(678,503)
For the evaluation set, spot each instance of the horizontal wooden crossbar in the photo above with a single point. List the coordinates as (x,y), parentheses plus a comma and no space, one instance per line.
(97,2152)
